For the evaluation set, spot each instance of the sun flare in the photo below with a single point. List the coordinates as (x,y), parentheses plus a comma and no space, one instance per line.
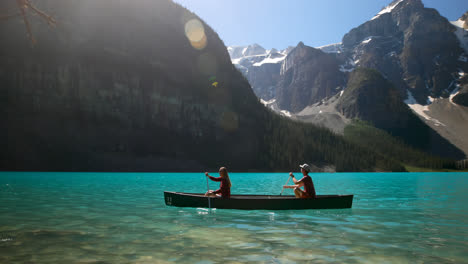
(195,32)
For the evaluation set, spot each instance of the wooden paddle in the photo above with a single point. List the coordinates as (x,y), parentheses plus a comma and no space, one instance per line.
(285,184)
(207,190)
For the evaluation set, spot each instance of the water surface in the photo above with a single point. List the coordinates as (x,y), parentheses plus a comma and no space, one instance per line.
(122,218)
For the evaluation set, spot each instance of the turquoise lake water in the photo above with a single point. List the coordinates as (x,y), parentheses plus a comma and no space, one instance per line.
(122,218)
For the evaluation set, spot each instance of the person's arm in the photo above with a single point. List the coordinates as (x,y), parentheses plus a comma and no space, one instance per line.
(217,179)
(299,183)
(296,183)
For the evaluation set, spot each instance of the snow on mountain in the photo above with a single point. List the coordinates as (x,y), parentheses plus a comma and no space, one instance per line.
(388,9)
(462,33)
(331,48)
(267,103)
(367,40)
(236,52)
(273,50)
(453,94)
(421,110)
(271,58)
(348,66)
(255,55)
(260,66)
(384,43)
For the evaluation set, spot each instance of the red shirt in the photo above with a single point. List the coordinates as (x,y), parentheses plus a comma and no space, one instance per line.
(308,185)
(224,188)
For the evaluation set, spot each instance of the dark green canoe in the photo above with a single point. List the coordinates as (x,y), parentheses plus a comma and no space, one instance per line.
(258,202)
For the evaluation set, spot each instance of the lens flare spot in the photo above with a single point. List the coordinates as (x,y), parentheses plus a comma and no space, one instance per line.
(195,33)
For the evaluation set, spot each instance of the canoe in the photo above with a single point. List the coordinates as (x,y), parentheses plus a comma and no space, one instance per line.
(258,202)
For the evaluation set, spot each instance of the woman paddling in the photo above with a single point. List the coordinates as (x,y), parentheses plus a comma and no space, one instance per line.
(306,181)
(224,190)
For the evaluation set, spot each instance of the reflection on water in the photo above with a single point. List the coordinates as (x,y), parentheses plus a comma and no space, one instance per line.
(121,218)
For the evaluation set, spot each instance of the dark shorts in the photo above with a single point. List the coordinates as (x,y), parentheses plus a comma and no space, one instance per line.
(306,195)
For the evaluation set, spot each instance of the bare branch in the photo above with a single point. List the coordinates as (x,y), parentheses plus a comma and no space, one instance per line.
(50,20)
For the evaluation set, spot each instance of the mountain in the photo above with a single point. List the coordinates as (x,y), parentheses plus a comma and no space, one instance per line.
(260,66)
(371,97)
(273,89)
(140,85)
(417,50)
(413,46)
(308,76)
(461,31)
(461,96)
(332,48)
(118,86)
(248,51)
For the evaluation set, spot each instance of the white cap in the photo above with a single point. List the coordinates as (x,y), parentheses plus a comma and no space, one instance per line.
(305,166)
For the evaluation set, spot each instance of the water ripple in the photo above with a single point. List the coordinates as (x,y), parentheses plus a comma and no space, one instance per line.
(122,218)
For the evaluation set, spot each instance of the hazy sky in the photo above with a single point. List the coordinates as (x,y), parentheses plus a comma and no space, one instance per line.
(282,23)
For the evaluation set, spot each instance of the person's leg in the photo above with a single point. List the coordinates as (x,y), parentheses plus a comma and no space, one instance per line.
(213,193)
(210,193)
(298,192)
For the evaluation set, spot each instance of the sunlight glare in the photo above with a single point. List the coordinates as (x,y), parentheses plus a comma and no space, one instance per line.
(195,32)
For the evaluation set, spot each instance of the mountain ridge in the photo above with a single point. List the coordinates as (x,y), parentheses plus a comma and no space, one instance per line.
(144,86)
(412,46)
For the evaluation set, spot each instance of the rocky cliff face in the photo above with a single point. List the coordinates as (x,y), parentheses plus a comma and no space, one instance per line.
(142,85)
(421,53)
(371,97)
(413,46)
(461,95)
(118,86)
(308,76)
(264,79)
(464,18)
(261,67)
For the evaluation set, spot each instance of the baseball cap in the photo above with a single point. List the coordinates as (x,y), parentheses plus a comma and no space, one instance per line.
(305,166)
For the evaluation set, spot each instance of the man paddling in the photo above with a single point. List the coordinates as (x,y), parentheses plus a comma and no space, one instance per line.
(306,181)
